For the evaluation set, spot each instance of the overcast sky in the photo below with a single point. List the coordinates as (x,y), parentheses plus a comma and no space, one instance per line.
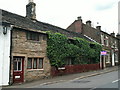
(63,12)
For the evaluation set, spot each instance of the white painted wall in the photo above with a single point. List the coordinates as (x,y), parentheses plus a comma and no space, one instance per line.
(4,56)
(113,58)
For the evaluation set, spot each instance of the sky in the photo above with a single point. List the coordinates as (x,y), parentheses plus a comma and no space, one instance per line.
(63,12)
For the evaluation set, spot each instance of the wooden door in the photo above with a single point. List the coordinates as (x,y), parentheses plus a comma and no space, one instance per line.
(102,59)
(18,72)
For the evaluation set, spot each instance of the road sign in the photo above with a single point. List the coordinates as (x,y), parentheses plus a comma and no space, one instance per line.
(103,53)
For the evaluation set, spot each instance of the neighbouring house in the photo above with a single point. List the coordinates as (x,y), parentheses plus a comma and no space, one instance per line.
(110,45)
(23,43)
(5,44)
(108,41)
(118,37)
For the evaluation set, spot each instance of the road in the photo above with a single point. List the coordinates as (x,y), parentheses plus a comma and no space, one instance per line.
(107,80)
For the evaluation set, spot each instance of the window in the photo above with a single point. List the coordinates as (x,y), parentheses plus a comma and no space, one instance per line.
(32,36)
(107,57)
(68,61)
(17,64)
(115,44)
(116,57)
(107,42)
(35,63)
(102,39)
(40,63)
(92,45)
(29,65)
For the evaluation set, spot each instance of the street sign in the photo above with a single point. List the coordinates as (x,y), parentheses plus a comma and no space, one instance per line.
(103,53)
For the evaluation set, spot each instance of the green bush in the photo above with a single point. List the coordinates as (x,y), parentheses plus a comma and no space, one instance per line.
(59,48)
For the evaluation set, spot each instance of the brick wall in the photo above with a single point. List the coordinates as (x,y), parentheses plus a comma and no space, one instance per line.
(76,26)
(70,69)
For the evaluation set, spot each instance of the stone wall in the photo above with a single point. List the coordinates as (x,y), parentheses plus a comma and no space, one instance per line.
(29,48)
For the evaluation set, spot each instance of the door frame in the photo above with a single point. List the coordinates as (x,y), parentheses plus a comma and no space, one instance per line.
(23,58)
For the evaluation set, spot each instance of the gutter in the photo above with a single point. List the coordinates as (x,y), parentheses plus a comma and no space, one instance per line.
(10,54)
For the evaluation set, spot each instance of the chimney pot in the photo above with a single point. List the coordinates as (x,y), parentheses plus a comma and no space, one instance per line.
(98,27)
(118,36)
(30,1)
(79,18)
(88,23)
(113,34)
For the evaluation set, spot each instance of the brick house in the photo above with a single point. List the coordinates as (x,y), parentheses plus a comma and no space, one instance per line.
(108,41)
(110,45)
(27,42)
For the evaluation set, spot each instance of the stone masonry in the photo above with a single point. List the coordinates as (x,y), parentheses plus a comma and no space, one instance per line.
(28,48)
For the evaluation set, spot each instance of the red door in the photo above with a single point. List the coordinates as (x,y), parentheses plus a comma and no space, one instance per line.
(18,72)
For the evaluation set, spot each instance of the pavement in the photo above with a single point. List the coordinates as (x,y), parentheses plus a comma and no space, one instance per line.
(63,78)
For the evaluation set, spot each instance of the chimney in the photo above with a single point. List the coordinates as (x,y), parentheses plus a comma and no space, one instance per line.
(98,27)
(79,18)
(30,10)
(118,36)
(88,23)
(113,34)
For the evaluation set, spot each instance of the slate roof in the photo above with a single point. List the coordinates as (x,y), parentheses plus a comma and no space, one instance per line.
(27,23)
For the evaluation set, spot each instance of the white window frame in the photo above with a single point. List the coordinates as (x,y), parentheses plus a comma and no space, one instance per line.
(102,39)
(108,55)
(107,41)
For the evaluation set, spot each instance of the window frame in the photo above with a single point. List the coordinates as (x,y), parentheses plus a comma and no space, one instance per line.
(32,36)
(31,63)
(102,39)
(17,66)
(37,63)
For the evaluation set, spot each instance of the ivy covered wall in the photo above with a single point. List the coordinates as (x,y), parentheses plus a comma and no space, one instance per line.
(79,50)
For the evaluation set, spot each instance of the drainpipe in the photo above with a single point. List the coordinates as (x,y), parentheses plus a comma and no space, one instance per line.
(10,54)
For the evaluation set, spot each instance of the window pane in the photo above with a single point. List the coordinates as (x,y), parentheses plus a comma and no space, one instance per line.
(29,63)
(36,36)
(35,63)
(40,63)
(15,65)
(19,66)
(28,35)
(44,37)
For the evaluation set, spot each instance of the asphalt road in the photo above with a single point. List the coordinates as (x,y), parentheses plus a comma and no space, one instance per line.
(107,80)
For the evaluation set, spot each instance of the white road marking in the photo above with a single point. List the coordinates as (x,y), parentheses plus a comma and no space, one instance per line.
(47,83)
(115,81)
(93,88)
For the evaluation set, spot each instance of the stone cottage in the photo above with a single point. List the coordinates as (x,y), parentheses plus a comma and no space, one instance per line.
(24,42)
